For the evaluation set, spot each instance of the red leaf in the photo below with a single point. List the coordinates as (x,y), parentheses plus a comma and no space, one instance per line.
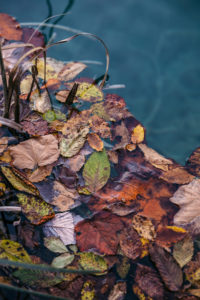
(9,28)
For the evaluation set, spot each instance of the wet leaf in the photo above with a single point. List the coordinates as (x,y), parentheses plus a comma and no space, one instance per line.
(40,102)
(193,163)
(90,261)
(144,227)
(123,267)
(168,268)
(187,197)
(62,226)
(122,132)
(183,251)
(88,291)
(96,171)
(99,234)
(71,145)
(35,125)
(9,28)
(137,135)
(3,144)
(100,127)
(18,181)
(130,243)
(33,152)
(62,260)
(95,142)
(50,70)
(88,92)
(149,282)
(76,162)
(25,85)
(63,197)
(55,244)
(36,278)
(71,70)
(192,271)
(118,292)
(177,174)
(13,251)
(167,236)
(36,210)
(40,173)
(62,95)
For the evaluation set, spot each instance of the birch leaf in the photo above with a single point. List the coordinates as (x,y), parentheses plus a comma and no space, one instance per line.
(55,244)
(96,171)
(33,152)
(71,145)
(62,260)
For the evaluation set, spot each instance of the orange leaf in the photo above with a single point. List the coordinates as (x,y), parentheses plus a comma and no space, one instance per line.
(10,28)
(95,142)
(137,134)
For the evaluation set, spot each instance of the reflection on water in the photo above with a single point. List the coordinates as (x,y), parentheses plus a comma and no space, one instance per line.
(154,48)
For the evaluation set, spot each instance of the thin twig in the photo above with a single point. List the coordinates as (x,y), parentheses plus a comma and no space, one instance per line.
(10,208)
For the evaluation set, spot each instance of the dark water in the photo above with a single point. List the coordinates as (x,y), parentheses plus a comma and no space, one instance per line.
(154,49)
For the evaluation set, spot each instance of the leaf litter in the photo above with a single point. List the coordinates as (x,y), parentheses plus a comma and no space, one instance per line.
(89,188)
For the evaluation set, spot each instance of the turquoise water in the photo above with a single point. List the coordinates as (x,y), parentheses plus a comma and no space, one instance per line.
(154,49)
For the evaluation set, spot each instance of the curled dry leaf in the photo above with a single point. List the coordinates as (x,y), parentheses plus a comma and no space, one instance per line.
(63,197)
(168,268)
(71,70)
(62,226)
(188,199)
(9,28)
(149,282)
(33,152)
(95,142)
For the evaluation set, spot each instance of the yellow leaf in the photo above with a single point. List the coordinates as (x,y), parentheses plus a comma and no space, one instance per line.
(137,134)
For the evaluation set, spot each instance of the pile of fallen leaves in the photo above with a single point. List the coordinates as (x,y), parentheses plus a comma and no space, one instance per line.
(85,194)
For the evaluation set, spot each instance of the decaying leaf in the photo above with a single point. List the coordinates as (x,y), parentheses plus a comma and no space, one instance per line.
(95,142)
(167,236)
(35,209)
(168,268)
(122,132)
(99,126)
(118,292)
(88,92)
(35,125)
(99,233)
(9,28)
(33,152)
(183,251)
(144,227)
(96,171)
(62,226)
(130,243)
(192,271)
(71,70)
(13,251)
(18,181)
(177,174)
(193,163)
(63,197)
(40,173)
(3,144)
(88,291)
(55,244)
(188,198)
(123,267)
(137,135)
(90,261)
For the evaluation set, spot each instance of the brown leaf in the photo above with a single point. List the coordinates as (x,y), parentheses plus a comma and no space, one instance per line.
(98,125)
(169,235)
(76,162)
(34,152)
(62,95)
(144,227)
(118,292)
(95,142)
(99,234)
(3,144)
(168,268)
(71,70)
(130,243)
(177,174)
(187,197)
(149,282)
(122,132)
(193,163)
(9,28)
(35,125)
(40,173)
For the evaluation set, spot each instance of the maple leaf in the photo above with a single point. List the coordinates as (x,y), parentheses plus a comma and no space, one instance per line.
(33,152)
(99,234)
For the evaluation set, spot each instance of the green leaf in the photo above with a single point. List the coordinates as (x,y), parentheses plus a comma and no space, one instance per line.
(183,251)
(89,92)
(18,182)
(38,278)
(13,251)
(36,210)
(55,244)
(62,260)
(90,261)
(96,171)
(88,291)
(71,145)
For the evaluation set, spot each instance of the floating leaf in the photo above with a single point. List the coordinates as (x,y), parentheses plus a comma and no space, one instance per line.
(37,278)
(9,28)
(71,70)
(62,260)
(18,181)
(90,261)
(183,251)
(88,291)
(62,226)
(35,209)
(168,268)
(95,142)
(71,145)
(89,92)
(55,244)
(144,227)
(13,251)
(33,152)
(96,171)
(50,71)
(187,197)
(137,135)
(99,234)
